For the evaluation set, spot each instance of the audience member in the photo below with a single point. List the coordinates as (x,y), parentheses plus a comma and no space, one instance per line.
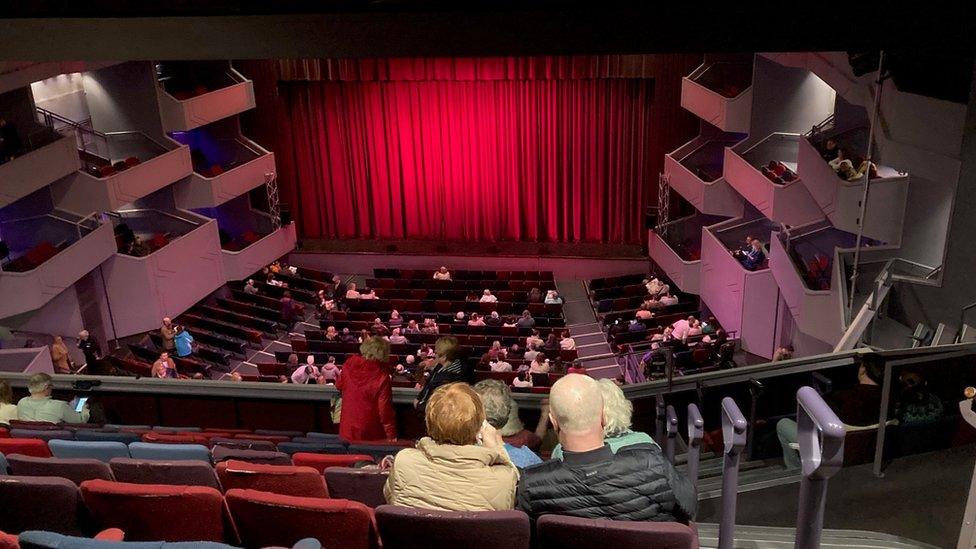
(636,483)
(449,368)
(496,350)
(442,274)
(917,405)
(523,380)
(309,373)
(567,343)
(395,320)
(487,297)
(668,300)
(514,432)
(828,149)
(636,325)
(164,367)
(539,365)
(493,319)
(841,159)
(498,402)
(476,320)
(288,310)
(184,342)
(526,320)
(397,338)
(535,296)
(292,362)
(250,287)
(348,336)
(553,298)
(330,371)
(368,294)
(92,351)
(534,339)
(643,313)
(739,252)
(531,353)
(331,334)
(654,287)
(411,328)
(377,328)
(499,364)
(461,466)
(783,353)
(39,406)
(755,258)
(168,334)
(59,355)
(459,318)
(857,406)
(429,327)
(551,344)
(367,395)
(577,368)
(351,292)
(8,410)
(617,415)
(472,297)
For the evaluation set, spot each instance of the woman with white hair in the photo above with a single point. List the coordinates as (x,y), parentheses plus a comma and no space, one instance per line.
(487,297)
(617,412)
(498,402)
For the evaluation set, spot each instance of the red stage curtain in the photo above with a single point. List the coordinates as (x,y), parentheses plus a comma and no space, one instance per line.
(562,160)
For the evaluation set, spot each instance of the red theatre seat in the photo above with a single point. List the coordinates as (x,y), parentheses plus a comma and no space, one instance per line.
(4,433)
(185,438)
(574,532)
(156,512)
(279,479)
(362,485)
(321,462)
(265,519)
(41,503)
(25,446)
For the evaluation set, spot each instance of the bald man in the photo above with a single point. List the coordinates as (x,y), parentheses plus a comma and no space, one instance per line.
(636,483)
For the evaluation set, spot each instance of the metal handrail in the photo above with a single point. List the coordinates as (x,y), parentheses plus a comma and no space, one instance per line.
(671,418)
(734,427)
(154,210)
(820,434)
(696,432)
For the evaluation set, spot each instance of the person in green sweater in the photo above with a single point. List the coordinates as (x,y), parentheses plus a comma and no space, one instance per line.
(39,406)
(617,412)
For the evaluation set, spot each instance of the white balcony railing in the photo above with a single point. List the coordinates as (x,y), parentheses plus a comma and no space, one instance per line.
(817,313)
(730,114)
(684,273)
(200,110)
(714,197)
(207,191)
(241,264)
(38,168)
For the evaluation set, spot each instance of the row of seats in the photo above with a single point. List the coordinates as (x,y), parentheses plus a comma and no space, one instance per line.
(449,306)
(461,274)
(465,286)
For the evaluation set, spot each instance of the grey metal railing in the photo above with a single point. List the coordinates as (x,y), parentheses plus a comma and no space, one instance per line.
(672,432)
(734,436)
(696,431)
(660,429)
(820,434)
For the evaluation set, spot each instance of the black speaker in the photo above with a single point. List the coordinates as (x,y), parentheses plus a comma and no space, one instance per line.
(285,217)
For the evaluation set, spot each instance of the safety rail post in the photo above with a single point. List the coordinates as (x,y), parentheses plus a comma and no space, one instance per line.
(820,434)
(734,426)
(659,429)
(672,426)
(696,431)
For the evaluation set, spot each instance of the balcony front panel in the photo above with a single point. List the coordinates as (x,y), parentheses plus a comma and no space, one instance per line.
(206,192)
(167,282)
(83,192)
(840,200)
(743,301)
(187,114)
(241,264)
(788,203)
(727,114)
(817,313)
(38,169)
(30,290)
(685,274)
(711,197)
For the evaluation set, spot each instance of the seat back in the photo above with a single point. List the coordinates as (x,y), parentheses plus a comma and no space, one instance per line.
(152,512)
(37,539)
(320,462)
(362,485)
(42,503)
(323,446)
(169,452)
(221,453)
(287,480)
(569,532)
(180,472)
(107,436)
(75,470)
(243,444)
(102,451)
(402,527)
(378,451)
(24,446)
(43,434)
(265,519)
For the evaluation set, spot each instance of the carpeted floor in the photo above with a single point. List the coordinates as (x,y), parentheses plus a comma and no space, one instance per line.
(921,497)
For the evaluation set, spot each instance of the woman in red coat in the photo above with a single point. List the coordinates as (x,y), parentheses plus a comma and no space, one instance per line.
(367,396)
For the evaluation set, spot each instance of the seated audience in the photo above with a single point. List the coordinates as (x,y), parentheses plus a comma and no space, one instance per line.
(741,251)
(668,300)
(331,334)
(498,402)
(164,367)
(917,405)
(755,258)
(694,329)
(553,298)
(551,344)
(461,466)
(857,406)
(396,338)
(459,318)
(292,362)
(841,159)
(449,368)
(250,287)
(654,287)
(348,336)
(395,320)
(367,395)
(498,364)
(709,325)
(351,292)
(476,320)
(487,297)
(472,297)
(535,296)
(412,327)
(442,274)
(636,325)
(783,353)
(523,380)
(828,149)
(534,339)
(378,328)
(39,406)
(567,343)
(591,481)
(515,433)
(330,371)
(309,373)
(493,319)
(539,365)
(429,327)
(526,320)
(496,350)
(531,353)
(8,410)
(617,415)
(59,356)
(643,313)
(368,294)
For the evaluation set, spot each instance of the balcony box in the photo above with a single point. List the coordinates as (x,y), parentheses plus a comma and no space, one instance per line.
(30,289)
(212,189)
(682,272)
(182,114)
(840,200)
(243,263)
(31,360)
(704,94)
(153,165)
(817,313)
(743,301)
(168,281)
(707,195)
(38,168)
(787,202)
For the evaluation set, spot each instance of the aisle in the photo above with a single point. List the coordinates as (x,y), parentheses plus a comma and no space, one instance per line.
(585,328)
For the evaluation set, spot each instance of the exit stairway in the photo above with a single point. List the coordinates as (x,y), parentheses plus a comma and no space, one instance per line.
(586,330)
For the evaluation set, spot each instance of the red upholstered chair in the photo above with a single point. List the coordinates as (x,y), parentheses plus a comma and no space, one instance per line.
(34,425)
(278,479)
(362,485)
(4,433)
(150,471)
(183,438)
(274,439)
(404,527)
(231,431)
(42,503)
(264,519)
(156,512)
(570,532)
(75,470)
(8,541)
(223,453)
(24,446)
(321,462)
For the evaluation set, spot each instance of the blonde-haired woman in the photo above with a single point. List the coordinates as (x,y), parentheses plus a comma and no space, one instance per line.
(367,395)
(617,412)
(461,466)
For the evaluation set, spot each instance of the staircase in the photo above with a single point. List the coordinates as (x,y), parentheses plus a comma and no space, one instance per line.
(586,330)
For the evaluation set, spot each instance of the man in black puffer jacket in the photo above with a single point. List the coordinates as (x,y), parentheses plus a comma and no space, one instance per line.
(636,483)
